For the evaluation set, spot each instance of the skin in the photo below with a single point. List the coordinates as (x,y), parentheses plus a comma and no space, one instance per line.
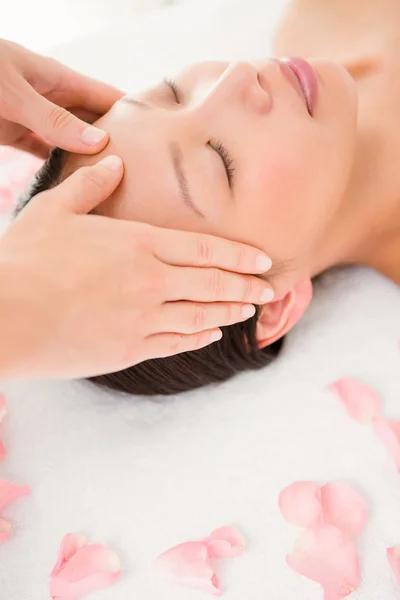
(312,191)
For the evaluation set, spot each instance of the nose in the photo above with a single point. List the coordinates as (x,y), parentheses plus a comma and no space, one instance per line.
(238,86)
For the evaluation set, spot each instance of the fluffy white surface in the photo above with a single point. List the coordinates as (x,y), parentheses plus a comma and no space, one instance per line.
(143,476)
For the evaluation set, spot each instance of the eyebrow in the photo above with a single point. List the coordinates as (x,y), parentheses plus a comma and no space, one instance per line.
(176,155)
(132,100)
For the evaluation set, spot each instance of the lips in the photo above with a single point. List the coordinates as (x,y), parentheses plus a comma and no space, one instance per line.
(305,80)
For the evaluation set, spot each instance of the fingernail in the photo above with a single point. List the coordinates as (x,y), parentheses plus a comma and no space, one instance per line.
(248,311)
(263,263)
(92,136)
(267,295)
(216,335)
(114,163)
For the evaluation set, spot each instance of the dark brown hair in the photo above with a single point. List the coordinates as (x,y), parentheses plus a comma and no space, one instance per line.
(236,351)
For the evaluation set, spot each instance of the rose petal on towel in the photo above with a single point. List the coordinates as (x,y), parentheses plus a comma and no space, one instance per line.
(387,431)
(393,555)
(344,508)
(323,554)
(5,530)
(225,542)
(300,503)
(2,451)
(188,564)
(10,492)
(70,545)
(91,568)
(361,401)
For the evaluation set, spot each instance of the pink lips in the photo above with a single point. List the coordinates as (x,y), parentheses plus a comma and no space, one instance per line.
(305,79)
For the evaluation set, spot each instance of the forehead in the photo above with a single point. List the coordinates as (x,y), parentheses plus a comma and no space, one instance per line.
(148,192)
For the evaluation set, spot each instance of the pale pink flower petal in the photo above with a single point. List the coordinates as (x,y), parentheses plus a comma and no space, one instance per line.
(5,530)
(387,432)
(225,542)
(70,545)
(393,555)
(361,401)
(343,508)
(10,492)
(91,568)
(2,451)
(300,503)
(326,556)
(188,564)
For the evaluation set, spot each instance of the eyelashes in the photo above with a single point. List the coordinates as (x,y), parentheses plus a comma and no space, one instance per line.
(226,159)
(217,146)
(171,83)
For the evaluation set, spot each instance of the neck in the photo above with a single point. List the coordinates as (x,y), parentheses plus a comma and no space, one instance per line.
(366,229)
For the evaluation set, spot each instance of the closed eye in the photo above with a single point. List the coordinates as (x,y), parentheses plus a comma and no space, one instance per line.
(217,146)
(171,83)
(226,159)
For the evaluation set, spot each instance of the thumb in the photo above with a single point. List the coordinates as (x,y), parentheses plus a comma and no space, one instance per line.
(85,189)
(58,127)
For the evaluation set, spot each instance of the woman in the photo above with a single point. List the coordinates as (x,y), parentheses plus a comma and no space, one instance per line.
(297,158)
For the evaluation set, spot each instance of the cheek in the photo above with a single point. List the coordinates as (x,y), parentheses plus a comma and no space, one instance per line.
(286,199)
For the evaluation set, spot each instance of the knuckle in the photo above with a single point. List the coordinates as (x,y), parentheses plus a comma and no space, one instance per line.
(199,317)
(144,238)
(240,258)
(93,178)
(198,340)
(216,283)
(247,288)
(153,284)
(229,314)
(204,251)
(58,117)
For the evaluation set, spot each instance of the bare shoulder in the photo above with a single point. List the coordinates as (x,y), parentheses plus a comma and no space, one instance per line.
(337,28)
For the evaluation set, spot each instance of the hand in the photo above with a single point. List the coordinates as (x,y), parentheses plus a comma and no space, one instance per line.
(36,92)
(91,294)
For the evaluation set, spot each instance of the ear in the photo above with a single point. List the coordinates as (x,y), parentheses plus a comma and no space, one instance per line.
(278,317)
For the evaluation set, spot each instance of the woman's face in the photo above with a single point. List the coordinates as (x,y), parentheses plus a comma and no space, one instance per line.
(231,149)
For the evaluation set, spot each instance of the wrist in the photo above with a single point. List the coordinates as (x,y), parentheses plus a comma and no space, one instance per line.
(17,342)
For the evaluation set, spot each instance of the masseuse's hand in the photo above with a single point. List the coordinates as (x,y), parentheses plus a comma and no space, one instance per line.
(93,294)
(37,94)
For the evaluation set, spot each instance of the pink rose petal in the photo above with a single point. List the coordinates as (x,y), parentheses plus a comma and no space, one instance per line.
(324,555)
(188,564)
(90,568)
(393,555)
(10,492)
(361,401)
(387,431)
(2,451)
(5,531)
(70,545)
(343,508)
(225,542)
(300,503)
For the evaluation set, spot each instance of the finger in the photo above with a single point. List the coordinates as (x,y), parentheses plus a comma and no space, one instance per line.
(57,126)
(215,285)
(168,344)
(87,93)
(88,186)
(193,317)
(202,250)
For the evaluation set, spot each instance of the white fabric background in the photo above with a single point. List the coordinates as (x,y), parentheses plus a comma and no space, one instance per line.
(144,475)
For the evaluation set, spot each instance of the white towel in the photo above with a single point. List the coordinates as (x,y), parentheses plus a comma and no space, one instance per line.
(142,475)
